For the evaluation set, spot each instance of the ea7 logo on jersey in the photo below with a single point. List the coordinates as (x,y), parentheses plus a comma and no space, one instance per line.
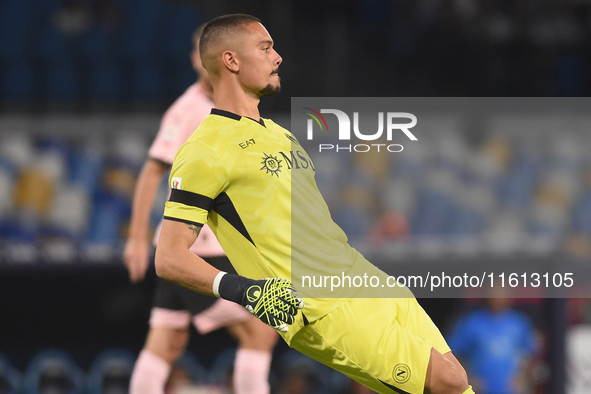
(175,182)
(247,143)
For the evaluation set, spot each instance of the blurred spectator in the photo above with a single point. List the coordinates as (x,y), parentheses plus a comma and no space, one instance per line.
(73,18)
(391,225)
(498,344)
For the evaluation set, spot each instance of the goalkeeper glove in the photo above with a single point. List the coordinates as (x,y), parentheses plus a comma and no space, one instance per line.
(273,300)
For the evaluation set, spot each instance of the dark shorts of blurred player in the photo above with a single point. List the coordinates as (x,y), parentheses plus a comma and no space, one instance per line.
(177,307)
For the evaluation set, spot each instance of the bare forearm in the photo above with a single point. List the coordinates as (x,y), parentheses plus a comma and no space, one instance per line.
(273,300)
(143,198)
(186,269)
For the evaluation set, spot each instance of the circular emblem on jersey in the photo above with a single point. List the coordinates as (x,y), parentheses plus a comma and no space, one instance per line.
(292,138)
(401,373)
(271,164)
(253,293)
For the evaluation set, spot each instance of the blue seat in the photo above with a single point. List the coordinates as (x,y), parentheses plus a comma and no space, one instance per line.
(62,80)
(222,366)
(319,378)
(148,80)
(433,214)
(105,81)
(181,22)
(354,220)
(10,378)
(59,57)
(18,80)
(516,188)
(99,52)
(110,372)
(467,222)
(15,28)
(52,46)
(96,44)
(141,33)
(85,168)
(193,368)
(581,215)
(105,225)
(53,371)
(176,31)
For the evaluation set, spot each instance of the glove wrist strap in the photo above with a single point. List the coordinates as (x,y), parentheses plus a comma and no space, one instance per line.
(216,283)
(232,287)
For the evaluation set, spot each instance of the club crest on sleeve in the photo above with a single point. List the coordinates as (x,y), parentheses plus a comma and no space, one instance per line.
(175,182)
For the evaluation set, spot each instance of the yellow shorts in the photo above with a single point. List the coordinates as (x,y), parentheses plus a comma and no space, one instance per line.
(383,343)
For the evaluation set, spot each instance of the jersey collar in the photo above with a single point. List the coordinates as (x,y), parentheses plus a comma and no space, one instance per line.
(231,115)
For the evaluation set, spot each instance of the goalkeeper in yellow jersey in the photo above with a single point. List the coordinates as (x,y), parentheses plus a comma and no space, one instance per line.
(268,215)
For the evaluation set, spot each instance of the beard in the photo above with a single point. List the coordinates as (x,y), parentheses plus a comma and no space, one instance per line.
(270,90)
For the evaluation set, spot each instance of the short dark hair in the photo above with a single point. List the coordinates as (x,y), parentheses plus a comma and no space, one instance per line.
(221,25)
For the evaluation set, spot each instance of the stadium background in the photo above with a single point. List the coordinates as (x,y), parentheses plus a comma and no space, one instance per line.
(83,84)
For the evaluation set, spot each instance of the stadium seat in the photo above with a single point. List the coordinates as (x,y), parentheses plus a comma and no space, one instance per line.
(310,375)
(222,366)
(15,28)
(110,372)
(354,220)
(105,224)
(85,166)
(399,195)
(17,148)
(70,211)
(196,372)
(18,80)
(10,378)
(103,71)
(436,204)
(180,22)
(141,29)
(581,216)
(59,57)
(53,371)
(62,80)
(472,209)
(517,187)
(6,189)
(413,164)
(334,173)
(147,80)
(105,81)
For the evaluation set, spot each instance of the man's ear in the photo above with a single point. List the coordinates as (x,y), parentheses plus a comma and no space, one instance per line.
(230,61)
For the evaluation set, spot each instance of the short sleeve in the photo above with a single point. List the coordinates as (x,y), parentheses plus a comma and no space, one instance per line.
(179,122)
(169,138)
(196,179)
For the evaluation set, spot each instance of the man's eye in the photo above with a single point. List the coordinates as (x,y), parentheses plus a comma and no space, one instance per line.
(266,49)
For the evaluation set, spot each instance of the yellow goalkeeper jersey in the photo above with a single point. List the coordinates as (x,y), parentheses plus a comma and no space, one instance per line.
(254,185)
